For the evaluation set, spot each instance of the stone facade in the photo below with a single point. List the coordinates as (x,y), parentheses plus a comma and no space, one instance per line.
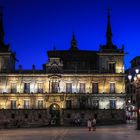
(73,85)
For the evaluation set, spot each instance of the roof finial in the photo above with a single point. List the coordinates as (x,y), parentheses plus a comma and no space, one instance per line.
(109,31)
(73,42)
(1,26)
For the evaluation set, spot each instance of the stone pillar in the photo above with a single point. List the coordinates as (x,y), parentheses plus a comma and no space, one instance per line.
(61,117)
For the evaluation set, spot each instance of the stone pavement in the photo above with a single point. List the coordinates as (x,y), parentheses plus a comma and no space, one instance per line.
(117,132)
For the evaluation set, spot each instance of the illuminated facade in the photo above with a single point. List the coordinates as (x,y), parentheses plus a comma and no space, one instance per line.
(73,85)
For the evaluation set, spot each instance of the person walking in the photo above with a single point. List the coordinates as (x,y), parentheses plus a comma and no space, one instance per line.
(94,124)
(89,124)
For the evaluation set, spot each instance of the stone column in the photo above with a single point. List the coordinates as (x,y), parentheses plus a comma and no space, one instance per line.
(61,117)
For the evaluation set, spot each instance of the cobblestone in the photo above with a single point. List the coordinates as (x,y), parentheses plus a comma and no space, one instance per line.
(118,132)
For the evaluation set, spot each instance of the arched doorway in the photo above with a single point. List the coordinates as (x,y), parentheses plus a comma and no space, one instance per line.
(55,114)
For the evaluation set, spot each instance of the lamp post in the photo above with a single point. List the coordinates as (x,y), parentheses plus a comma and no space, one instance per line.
(135,80)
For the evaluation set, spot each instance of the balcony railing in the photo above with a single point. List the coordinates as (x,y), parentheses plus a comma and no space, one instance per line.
(65,71)
(68,94)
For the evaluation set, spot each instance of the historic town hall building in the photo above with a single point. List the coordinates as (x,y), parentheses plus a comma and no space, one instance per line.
(73,85)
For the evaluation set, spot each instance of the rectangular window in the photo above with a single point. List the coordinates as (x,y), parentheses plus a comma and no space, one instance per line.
(94,88)
(4,66)
(40,104)
(55,87)
(83,103)
(111,67)
(26,87)
(95,104)
(112,87)
(68,104)
(68,87)
(40,87)
(13,104)
(26,104)
(13,87)
(112,104)
(82,88)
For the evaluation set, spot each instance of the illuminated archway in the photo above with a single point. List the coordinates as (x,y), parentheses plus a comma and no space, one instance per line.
(54,111)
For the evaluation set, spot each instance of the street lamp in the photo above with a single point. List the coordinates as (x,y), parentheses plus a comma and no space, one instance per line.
(135,80)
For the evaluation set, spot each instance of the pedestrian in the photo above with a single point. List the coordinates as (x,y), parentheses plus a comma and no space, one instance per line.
(94,124)
(89,124)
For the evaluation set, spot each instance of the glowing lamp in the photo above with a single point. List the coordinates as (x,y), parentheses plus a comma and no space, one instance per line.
(129,101)
(135,78)
(129,77)
(137,71)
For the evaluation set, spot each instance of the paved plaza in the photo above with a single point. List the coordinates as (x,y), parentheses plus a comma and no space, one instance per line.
(118,132)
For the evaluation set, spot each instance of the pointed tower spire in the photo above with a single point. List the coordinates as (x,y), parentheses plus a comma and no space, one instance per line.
(1,27)
(73,43)
(109,31)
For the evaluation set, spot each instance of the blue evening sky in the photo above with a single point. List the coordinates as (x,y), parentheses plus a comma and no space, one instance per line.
(34,26)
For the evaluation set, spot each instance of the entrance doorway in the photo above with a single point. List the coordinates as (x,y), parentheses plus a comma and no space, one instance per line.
(55,114)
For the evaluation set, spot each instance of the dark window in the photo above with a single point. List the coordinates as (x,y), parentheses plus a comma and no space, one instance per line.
(94,88)
(69,87)
(111,67)
(112,87)
(68,104)
(4,63)
(26,87)
(83,103)
(13,104)
(40,87)
(13,87)
(55,87)
(112,104)
(95,104)
(82,88)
